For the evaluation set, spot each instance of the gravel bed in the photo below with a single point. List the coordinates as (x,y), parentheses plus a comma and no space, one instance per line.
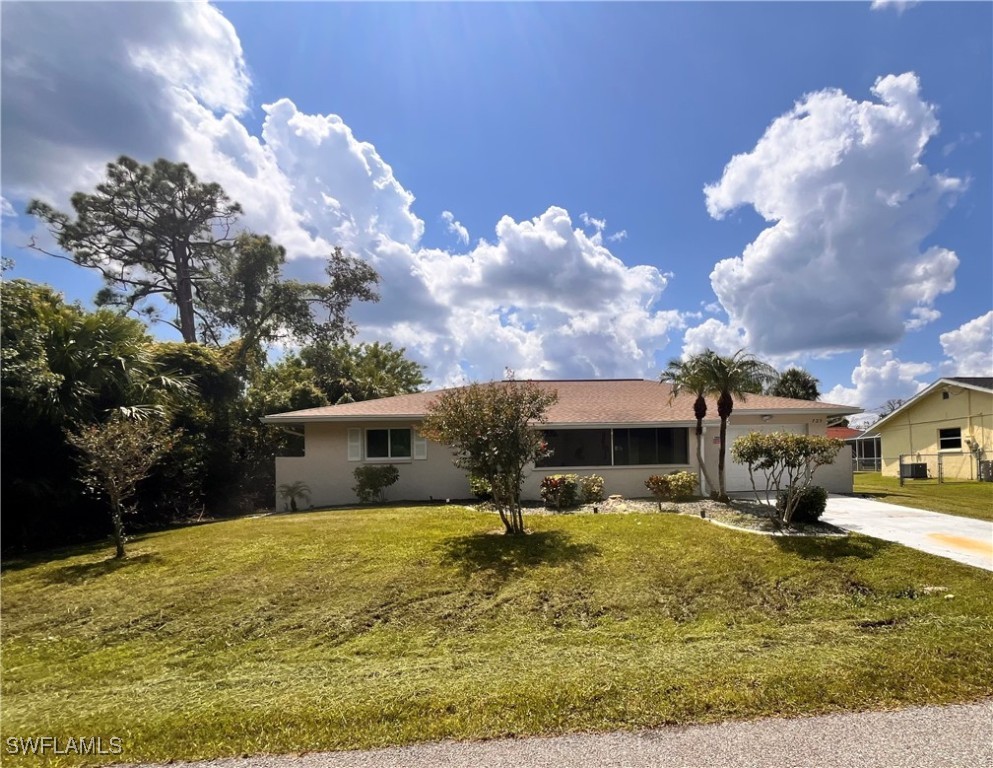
(742,514)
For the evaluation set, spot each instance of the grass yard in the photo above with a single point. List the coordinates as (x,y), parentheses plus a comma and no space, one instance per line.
(966,499)
(347,629)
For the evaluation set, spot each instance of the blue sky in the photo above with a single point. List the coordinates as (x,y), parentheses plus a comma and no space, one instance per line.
(549,186)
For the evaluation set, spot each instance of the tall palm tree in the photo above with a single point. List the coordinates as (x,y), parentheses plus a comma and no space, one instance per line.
(728,378)
(687,376)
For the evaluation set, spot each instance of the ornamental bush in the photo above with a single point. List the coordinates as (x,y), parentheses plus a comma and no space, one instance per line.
(590,489)
(810,505)
(372,480)
(560,491)
(678,485)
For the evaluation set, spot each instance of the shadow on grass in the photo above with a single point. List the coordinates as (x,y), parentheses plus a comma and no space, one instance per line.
(74,574)
(18,561)
(499,555)
(831,549)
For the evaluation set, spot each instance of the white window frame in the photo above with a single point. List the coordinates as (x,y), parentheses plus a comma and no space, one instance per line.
(955,449)
(389,458)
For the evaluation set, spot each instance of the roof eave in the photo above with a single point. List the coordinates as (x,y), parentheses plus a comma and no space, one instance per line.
(948,382)
(316,418)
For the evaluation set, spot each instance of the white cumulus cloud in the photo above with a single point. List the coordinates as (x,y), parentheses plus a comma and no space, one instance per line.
(455,227)
(843,188)
(880,376)
(969,348)
(85,83)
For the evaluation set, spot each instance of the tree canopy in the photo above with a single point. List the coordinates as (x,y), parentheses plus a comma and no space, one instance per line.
(492,429)
(158,231)
(354,372)
(795,383)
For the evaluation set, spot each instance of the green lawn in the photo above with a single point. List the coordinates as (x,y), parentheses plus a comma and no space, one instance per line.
(967,499)
(345,629)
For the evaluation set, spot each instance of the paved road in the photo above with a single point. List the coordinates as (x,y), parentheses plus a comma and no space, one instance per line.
(920,737)
(959,538)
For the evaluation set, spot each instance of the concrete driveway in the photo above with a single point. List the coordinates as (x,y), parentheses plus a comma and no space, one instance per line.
(957,538)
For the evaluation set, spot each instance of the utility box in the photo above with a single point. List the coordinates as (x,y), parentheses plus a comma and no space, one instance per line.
(986,471)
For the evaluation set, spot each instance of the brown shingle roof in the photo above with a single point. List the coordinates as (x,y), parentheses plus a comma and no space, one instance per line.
(600,401)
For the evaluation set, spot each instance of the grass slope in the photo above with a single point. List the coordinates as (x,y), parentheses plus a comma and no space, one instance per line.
(347,629)
(966,499)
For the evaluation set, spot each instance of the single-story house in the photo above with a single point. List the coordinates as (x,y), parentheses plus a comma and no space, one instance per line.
(622,429)
(945,430)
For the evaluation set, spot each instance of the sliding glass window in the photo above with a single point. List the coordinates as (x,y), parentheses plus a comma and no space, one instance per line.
(616,447)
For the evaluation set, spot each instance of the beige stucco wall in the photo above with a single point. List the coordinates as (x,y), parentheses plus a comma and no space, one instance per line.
(325,467)
(914,431)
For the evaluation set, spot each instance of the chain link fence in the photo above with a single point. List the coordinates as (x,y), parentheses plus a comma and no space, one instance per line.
(940,467)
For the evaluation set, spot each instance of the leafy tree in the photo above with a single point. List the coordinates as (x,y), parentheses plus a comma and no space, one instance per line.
(115,456)
(787,461)
(728,377)
(797,384)
(61,365)
(491,428)
(60,362)
(209,468)
(157,231)
(245,292)
(149,230)
(689,376)
(353,373)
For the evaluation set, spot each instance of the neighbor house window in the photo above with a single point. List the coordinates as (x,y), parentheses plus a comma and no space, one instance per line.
(950,439)
(387,443)
(616,447)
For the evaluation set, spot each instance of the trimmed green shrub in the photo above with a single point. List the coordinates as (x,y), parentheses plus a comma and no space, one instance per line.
(590,489)
(560,491)
(678,485)
(372,480)
(809,507)
(480,488)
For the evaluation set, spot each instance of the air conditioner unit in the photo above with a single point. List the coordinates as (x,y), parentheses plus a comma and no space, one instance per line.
(916,471)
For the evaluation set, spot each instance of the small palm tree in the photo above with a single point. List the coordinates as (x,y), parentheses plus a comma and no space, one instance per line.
(293,491)
(687,376)
(738,376)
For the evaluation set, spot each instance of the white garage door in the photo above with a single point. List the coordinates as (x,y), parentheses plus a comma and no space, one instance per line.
(736,475)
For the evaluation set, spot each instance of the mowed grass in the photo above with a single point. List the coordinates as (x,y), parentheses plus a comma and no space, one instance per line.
(966,499)
(349,629)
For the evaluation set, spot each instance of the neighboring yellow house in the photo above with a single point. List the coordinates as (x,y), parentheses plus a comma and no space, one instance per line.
(945,431)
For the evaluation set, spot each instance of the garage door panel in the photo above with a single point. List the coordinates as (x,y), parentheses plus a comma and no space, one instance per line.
(736,475)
